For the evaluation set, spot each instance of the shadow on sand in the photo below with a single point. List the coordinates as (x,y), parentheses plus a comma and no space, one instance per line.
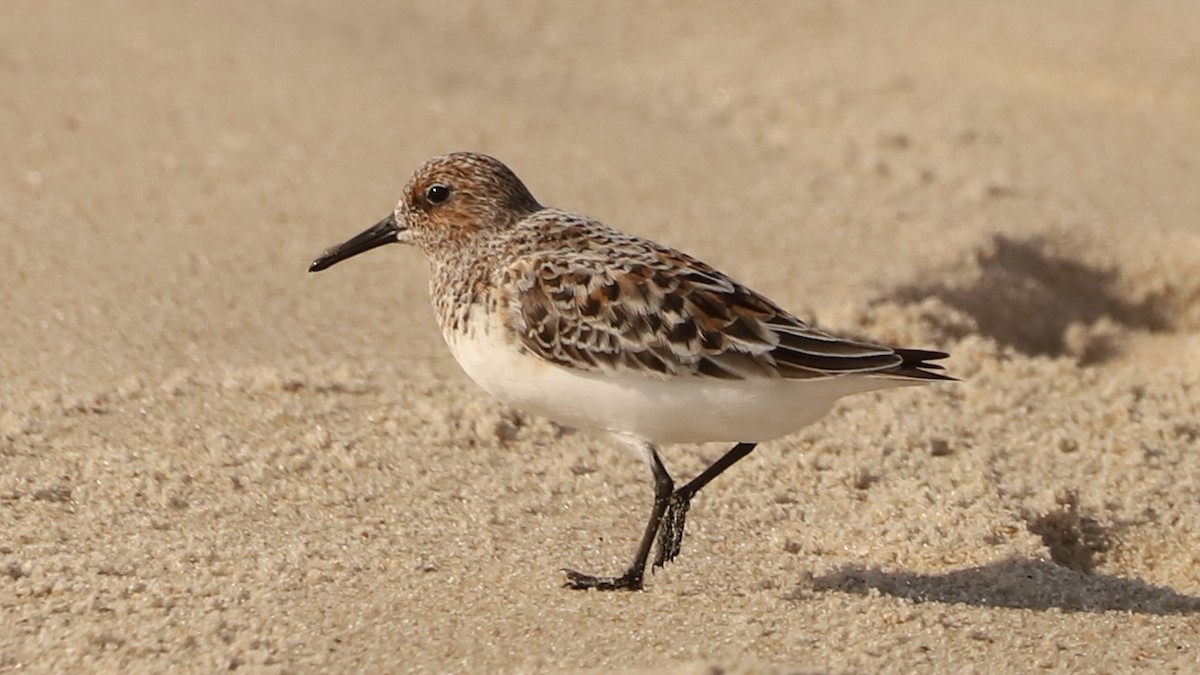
(1014,583)
(1023,294)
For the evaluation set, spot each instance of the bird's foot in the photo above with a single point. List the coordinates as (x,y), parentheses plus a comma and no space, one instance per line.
(670,528)
(630,581)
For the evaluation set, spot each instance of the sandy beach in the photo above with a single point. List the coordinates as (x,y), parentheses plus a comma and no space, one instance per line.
(211,460)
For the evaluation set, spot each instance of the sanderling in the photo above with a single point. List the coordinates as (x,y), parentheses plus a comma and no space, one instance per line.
(562,316)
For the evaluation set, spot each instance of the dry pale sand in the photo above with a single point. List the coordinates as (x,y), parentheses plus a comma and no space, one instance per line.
(210,459)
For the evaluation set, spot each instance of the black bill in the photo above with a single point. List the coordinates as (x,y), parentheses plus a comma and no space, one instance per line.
(383,232)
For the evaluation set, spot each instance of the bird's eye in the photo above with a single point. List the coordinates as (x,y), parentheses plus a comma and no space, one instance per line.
(436,194)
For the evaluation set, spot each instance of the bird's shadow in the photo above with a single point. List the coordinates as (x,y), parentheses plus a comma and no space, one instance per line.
(1014,583)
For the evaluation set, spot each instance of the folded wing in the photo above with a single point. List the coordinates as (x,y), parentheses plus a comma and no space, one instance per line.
(663,313)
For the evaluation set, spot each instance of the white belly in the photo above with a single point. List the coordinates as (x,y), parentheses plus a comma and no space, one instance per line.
(661,410)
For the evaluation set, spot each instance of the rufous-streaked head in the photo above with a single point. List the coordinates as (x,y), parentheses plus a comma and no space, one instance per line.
(448,200)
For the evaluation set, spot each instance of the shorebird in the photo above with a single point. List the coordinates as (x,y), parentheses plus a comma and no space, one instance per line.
(562,316)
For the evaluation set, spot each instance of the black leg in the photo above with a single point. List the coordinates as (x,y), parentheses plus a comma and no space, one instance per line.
(670,532)
(632,579)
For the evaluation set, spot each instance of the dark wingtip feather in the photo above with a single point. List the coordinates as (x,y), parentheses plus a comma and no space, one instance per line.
(914,365)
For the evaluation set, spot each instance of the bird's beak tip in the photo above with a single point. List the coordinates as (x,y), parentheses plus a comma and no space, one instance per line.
(383,232)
